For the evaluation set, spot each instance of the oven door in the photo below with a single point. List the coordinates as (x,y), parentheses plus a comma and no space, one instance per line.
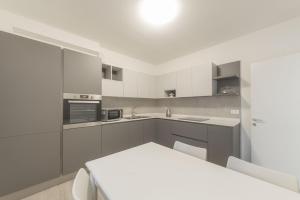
(81,111)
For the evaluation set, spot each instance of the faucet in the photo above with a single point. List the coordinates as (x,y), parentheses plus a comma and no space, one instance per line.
(133,112)
(168,112)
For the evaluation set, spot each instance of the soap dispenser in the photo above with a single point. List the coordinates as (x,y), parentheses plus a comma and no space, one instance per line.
(168,112)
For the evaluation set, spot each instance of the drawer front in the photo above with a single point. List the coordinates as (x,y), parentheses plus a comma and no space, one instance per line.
(190,130)
(190,141)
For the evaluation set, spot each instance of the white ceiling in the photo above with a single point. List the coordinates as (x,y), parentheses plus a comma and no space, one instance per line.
(116,25)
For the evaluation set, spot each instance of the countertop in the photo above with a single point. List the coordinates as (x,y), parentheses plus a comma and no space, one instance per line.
(220,121)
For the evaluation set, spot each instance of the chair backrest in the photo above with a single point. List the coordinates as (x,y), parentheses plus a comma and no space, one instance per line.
(83,188)
(191,150)
(277,178)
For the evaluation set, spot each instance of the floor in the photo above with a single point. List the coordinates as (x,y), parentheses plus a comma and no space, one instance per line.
(59,192)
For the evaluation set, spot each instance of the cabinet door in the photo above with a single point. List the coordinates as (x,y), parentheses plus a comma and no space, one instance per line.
(143,85)
(114,138)
(160,92)
(190,141)
(190,130)
(202,84)
(112,88)
(30,86)
(28,160)
(184,83)
(135,133)
(79,146)
(170,81)
(222,144)
(150,131)
(130,81)
(164,133)
(82,73)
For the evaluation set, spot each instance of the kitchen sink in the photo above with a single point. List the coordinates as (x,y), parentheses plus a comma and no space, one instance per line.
(193,119)
(137,117)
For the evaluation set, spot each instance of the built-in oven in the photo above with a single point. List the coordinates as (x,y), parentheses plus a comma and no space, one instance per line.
(81,108)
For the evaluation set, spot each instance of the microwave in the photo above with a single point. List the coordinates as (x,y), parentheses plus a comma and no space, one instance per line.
(81,108)
(111,114)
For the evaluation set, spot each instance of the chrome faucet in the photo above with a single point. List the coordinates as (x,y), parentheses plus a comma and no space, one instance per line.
(133,112)
(168,112)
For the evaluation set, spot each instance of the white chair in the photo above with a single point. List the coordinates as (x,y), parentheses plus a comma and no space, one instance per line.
(277,178)
(83,187)
(191,150)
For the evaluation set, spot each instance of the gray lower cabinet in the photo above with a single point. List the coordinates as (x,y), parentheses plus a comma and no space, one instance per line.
(190,130)
(82,73)
(150,130)
(79,146)
(190,141)
(28,160)
(222,143)
(120,136)
(165,135)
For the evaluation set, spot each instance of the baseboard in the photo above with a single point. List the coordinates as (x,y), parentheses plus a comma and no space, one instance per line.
(37,188)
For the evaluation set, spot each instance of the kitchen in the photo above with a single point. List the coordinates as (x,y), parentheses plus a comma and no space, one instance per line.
(75,101)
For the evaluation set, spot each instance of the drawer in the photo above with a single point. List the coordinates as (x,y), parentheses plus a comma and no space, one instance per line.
(189,141)
(190,130)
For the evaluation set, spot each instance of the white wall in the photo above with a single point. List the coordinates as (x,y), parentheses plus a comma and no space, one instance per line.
(26,27)
(278,40)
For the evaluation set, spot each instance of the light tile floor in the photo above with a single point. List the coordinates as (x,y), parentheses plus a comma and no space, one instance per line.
(59,192)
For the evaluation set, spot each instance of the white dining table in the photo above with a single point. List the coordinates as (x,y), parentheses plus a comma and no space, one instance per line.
(155,172)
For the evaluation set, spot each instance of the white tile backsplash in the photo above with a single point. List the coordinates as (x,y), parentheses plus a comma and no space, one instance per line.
(218,106)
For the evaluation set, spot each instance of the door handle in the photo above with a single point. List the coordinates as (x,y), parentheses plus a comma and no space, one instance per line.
(257,120)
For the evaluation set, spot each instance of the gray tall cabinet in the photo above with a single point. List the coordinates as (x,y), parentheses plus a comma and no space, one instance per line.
(31,111)
(82,73)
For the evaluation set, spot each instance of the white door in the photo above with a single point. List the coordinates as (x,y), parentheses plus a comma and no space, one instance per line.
(276,114)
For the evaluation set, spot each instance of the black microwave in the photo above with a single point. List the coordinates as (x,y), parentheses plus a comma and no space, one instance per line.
(111,114)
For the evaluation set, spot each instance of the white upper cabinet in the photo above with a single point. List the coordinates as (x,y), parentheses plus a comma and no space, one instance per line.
(130,82)
(189,82)
(184,83)
(169,81)
(165,82)
(202,84)
(112,88)
(146,86)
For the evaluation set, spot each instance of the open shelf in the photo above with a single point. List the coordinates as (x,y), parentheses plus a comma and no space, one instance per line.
(226,79)
(170,93)
(117,73)
(106,71)
(110,72)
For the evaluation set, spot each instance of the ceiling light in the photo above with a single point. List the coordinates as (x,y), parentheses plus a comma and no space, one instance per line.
(158,12)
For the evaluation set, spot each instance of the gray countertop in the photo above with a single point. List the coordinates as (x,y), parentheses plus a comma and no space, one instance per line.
(231,122)
(219,121)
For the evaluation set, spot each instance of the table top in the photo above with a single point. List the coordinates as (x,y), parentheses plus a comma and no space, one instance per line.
(155,172)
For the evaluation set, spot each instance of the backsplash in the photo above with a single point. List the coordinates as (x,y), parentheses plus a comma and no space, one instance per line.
(140,105)
(217,106)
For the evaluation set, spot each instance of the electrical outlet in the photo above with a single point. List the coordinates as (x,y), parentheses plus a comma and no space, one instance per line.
(234,112)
